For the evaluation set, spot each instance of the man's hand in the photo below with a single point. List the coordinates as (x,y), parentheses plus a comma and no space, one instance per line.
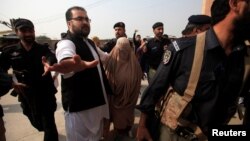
(46,65)
(81,65)
(68,65)
(19,87)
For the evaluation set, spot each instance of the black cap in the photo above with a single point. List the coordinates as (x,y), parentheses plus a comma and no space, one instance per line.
(21,23)
(199,19)
(157,24)
(119,24)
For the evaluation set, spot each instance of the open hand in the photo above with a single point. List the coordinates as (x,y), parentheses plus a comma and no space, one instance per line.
(68,65)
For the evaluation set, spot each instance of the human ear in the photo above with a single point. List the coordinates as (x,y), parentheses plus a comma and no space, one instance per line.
(68,23)
(233,4)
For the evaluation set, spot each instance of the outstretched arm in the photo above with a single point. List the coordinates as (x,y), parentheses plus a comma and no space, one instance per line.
(68,65)
(68,60)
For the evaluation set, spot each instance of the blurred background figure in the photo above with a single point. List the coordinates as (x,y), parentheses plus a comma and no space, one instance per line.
(136,40)
(97,41)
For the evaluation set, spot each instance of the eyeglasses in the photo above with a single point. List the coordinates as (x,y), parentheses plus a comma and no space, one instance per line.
(82,19)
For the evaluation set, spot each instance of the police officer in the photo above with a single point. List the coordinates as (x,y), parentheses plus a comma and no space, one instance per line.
(35,92)
(196,24)
(154,49)
(120,31)
(214,102)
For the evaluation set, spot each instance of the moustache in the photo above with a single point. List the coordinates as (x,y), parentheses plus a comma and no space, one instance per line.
(28,37)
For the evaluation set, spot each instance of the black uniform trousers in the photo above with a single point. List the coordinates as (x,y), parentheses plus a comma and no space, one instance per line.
(40,112)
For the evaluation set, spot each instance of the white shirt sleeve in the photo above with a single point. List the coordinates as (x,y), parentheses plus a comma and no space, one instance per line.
(65,49)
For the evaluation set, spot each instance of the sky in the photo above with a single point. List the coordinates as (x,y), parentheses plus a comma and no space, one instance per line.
(48,16)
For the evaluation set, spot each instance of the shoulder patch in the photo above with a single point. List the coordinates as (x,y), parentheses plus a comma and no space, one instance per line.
(176,46)
(166,56)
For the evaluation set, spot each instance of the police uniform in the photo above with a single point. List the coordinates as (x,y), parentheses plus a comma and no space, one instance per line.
(5,86)
(38,101)
(153,56)
(155,51)
(109,45)
(218,86)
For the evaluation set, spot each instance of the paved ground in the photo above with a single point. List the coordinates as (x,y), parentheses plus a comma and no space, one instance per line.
(18,127)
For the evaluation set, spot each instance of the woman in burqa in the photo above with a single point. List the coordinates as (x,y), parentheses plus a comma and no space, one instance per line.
(124,74)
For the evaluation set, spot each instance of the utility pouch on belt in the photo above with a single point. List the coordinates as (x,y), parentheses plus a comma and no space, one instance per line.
(174,108)
(176,105)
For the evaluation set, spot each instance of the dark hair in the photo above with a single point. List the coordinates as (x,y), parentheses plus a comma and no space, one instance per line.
(119,24)
(69,14)
(219,10)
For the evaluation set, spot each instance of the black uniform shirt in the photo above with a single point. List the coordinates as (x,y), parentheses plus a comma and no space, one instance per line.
(28,67)
(218,86)
(109,45)
(155,50)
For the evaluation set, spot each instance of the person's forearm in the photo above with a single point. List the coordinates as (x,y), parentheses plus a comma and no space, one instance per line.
(142,122)
(66,66)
